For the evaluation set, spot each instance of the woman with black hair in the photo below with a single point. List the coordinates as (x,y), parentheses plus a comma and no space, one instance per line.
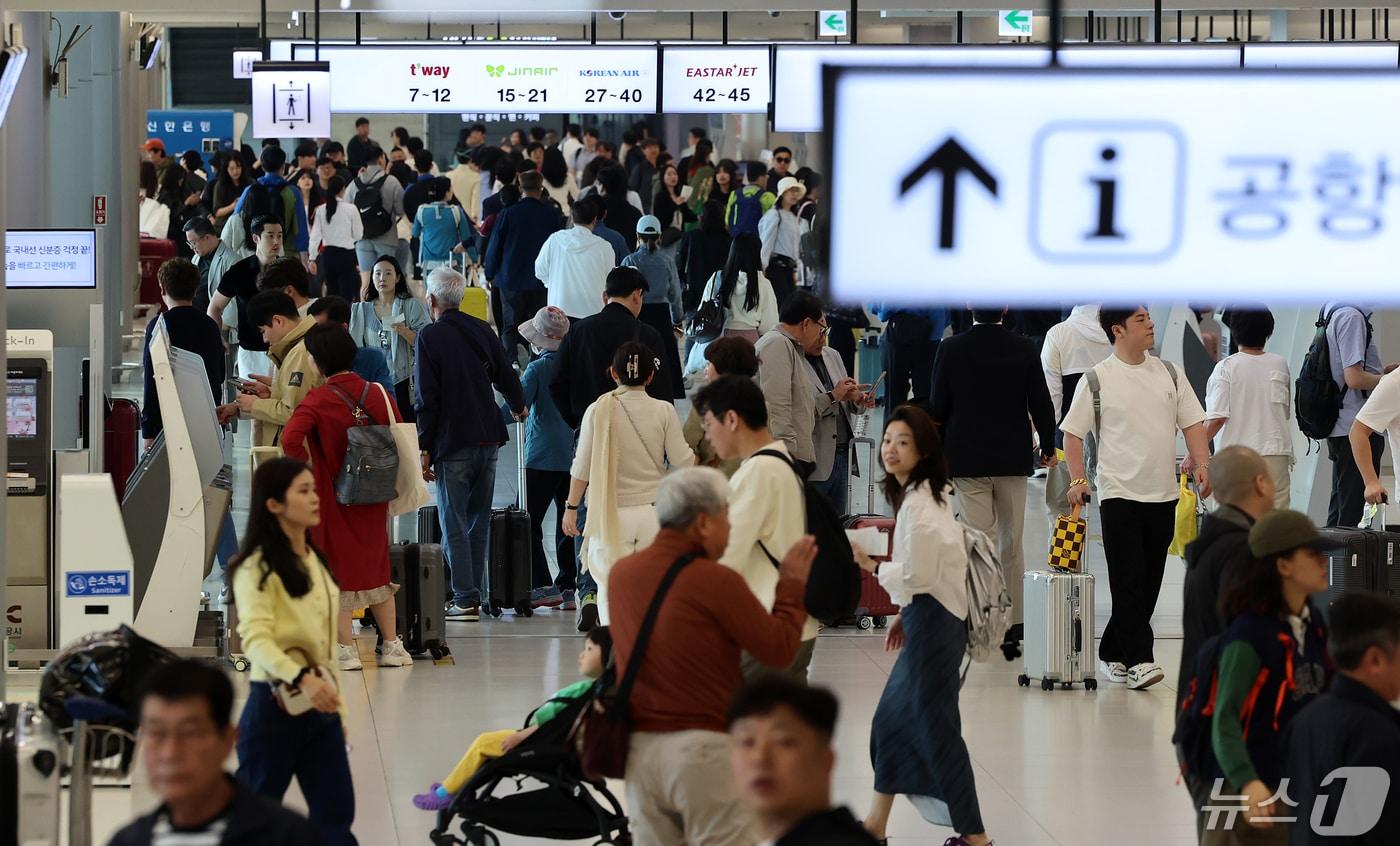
(627,443)
(175,195)
(702,253)
(726,182)
(668,205)
(354,537)
(622,216)
(335,227)
(701,177)
(287,602)
(557,184)
(390,318)
(1272,663)
(232,182)
(744,292)
(916,744)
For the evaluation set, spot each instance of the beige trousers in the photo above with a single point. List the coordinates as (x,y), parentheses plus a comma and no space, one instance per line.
(680,791)
(997,506)
(1280,467)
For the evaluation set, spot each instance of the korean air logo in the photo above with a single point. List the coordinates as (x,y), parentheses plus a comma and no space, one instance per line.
(496,71)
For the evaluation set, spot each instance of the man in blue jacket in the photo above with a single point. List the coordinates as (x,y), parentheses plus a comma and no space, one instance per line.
(457,362)
(520,232)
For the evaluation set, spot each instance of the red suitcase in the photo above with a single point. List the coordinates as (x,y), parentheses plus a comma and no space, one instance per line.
(121,433)
(875,604)
(154,253)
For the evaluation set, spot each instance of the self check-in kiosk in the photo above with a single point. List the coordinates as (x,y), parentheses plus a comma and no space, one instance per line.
(29,487)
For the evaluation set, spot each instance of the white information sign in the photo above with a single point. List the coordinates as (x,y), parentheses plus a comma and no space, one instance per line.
(733,80)
(832,24)
(453,80)
(1192,186)
(50,258)
(797,99)
(1012,23)
(291,99)
(243,63)
(1221,56)
(1274,56)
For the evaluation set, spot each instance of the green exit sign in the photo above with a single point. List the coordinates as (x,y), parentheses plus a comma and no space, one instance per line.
(832,24)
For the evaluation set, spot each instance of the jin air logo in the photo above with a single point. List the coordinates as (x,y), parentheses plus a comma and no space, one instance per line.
(496,71)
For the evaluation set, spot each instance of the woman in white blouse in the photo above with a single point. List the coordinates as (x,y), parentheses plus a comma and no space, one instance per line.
(335,227)
(625,443)
(750,307)
(916,743)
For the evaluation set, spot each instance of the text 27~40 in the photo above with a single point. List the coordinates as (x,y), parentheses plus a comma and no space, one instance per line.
(599,95)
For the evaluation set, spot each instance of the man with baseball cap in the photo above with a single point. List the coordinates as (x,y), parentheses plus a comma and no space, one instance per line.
(549,450)
(516,240)
(154,149)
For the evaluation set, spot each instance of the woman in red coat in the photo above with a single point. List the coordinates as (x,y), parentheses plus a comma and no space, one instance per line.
(353,538)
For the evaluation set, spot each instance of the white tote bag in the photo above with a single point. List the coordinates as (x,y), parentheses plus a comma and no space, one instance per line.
(411,489)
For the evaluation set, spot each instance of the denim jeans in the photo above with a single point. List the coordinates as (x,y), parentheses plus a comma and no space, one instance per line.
(466,481)
(837,485)
(586,583)
(273,747)
(228,543)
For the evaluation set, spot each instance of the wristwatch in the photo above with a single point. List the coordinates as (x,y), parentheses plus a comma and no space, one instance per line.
(568,507)
(1077,482)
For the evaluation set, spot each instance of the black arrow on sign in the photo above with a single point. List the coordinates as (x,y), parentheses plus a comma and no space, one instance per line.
(949,158)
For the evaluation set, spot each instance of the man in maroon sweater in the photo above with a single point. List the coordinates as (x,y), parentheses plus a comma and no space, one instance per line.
(679,784)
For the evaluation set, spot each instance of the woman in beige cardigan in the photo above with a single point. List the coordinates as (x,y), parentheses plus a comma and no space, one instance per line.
(625,445)
(287,605)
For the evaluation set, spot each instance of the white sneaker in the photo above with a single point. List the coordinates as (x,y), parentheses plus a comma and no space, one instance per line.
(394,655)
(1143,676)
(349,657)
(1115,672)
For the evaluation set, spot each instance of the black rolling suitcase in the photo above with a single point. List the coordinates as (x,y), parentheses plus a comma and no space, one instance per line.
(30,769)
(417,569)
(509,570)
(1364,559)
(429,529)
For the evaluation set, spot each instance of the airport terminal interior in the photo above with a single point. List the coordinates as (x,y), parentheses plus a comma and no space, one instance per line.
(1039,275)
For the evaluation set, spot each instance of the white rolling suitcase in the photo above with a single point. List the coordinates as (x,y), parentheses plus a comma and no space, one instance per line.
(29,777)
(1059,629)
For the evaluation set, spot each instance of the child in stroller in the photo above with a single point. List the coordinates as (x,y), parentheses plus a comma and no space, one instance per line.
(597,649)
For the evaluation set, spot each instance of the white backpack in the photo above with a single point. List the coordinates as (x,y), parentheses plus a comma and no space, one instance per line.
(988,600)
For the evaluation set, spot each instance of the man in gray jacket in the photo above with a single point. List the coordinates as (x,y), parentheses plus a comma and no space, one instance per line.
(381,231)
(789,383)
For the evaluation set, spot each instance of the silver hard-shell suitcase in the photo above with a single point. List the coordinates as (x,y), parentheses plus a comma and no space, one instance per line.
(29,776)
(1059,630)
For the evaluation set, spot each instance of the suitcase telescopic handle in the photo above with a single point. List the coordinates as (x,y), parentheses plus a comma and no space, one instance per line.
(870,470)
(520,461)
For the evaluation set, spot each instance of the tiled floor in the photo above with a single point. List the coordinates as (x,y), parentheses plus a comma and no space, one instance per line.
(1052,768)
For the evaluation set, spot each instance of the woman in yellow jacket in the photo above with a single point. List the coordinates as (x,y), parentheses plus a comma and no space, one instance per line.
(287,605)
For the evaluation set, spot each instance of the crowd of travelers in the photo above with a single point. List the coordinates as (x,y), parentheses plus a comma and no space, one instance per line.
(602,263)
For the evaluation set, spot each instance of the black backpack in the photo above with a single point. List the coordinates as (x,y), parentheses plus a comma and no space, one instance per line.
(1193,722)
(1317,398)
(369,199)
(262,201)
(833,588)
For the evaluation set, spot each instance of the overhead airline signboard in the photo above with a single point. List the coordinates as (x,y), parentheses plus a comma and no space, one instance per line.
(1159,186)
(734,80)
(1274,56)
(1222,56)
(797,99)
(469,79)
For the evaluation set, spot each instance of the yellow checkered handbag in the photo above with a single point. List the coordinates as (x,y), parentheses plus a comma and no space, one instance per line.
(1067,541)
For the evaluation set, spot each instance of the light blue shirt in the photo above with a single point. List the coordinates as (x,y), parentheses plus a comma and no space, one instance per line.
(1346,342)
(549,442)
(663,282)
(365,328)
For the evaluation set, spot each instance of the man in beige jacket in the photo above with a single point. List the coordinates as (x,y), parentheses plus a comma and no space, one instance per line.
(788,382)
(271,401)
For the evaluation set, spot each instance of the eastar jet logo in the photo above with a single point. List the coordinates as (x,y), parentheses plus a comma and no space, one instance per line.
(731,71)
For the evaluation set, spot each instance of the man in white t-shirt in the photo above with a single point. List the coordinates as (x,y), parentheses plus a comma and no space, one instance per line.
(1248,399)
(1381,413)
(1143,401)
(766,499)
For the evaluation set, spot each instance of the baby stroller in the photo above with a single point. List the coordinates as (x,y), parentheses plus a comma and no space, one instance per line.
(552,800)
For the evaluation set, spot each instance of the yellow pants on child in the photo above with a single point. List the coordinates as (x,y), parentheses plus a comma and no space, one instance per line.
(484,748)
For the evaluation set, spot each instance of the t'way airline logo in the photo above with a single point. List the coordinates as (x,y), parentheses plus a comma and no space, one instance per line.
(440,71)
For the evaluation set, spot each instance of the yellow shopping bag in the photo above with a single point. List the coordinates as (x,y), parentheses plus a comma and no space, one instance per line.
(1187,519)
